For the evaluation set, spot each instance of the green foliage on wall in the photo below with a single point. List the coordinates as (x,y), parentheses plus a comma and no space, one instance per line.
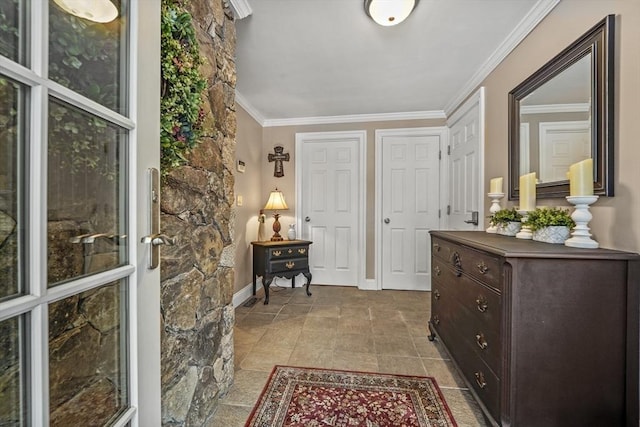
(181,113)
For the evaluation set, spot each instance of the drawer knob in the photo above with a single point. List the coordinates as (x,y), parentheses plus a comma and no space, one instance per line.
(277,253)
(436,294)
(482,303)
(302,251)
(436,247)
(290,251)
(480,379)
(290,265)
(436,270)
(457,263)
(435,320)
(481,341)
(482,267)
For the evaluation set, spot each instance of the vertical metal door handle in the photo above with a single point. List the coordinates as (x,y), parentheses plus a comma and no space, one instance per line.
(155,238)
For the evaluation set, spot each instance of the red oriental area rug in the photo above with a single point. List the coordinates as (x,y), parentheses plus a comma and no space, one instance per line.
(296,397)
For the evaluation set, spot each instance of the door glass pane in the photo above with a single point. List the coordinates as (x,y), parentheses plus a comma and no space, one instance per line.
(86,225)
(11,226)
(13,408)
(87,56)
(13,20)
(88,374)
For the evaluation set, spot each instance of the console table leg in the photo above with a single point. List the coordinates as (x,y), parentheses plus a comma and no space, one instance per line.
(308,276)
(265,283)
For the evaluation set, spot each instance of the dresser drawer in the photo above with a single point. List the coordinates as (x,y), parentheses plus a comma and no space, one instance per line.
(289,264)
(444,319)
(287,252)
(477,331)
(480,265)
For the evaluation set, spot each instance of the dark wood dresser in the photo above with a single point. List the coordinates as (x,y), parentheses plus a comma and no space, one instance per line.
(544,335)
(286,258)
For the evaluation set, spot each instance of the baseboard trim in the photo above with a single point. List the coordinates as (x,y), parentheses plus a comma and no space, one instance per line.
(369,285)
(242,295)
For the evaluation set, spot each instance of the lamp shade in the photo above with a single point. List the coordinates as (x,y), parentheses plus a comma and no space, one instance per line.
(389,12)
(276,201)
(93,10)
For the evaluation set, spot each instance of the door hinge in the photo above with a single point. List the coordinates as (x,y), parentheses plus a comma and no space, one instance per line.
(439,154)
(448,150)
(439,213)
(448,209)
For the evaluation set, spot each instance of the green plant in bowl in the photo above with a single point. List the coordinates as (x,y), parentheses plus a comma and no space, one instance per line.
(548,217)
(505,216)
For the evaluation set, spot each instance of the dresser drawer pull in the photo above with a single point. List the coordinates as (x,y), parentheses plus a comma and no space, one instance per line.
(436,294)
(435,320)
(277,253)
(480,379)
(482,267)
(302,251)
(290,265)
(482,303)
(482,343)
(290,251)
(436,247)
(436,270)
(457,263)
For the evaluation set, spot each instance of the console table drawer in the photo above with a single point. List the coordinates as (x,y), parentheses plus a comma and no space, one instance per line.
(289,264)
(282,253)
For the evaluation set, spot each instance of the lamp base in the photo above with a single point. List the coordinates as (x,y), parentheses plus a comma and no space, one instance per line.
(276,229)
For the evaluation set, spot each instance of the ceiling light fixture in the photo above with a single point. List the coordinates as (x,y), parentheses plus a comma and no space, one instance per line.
(389,12)
(101,11)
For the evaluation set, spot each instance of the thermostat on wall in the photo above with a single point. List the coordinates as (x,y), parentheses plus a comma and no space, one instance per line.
(240,166)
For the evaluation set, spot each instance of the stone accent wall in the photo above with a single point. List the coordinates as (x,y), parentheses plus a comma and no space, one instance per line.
(197,273)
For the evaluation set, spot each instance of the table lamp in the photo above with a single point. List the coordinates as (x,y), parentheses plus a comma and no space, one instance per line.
(276,203)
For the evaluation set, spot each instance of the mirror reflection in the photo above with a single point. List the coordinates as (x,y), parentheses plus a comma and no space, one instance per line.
(555,123)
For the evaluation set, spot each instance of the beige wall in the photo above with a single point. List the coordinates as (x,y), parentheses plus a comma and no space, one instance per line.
(247,185)
(616,222)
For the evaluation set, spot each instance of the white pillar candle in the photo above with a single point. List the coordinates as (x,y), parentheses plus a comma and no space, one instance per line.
(528,192)
(581,178)
(496,185)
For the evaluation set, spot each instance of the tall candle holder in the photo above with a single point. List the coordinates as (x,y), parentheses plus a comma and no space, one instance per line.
(525,232)
(580,236)
(495,207)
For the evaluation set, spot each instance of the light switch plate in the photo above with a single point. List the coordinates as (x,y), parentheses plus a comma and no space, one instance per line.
(239,200)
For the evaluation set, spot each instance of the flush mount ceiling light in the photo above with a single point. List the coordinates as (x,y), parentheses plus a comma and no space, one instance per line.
(102,11)
(389,12)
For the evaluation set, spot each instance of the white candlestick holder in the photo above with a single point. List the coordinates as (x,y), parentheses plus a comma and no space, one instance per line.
(525,232)
(580,236)
(495,207)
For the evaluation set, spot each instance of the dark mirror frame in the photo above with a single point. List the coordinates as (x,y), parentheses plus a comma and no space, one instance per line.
(599,41)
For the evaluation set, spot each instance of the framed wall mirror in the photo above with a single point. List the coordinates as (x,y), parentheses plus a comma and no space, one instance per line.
(564,113)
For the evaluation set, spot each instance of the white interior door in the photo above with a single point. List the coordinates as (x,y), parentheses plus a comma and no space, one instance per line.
(466,145)
(561,145)
(330,204)
(410,202)
(70,262)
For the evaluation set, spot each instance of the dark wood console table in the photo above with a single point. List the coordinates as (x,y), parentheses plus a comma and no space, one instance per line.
(286,258)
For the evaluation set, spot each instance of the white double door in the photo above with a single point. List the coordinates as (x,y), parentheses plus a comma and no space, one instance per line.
(409,191)
(330,208)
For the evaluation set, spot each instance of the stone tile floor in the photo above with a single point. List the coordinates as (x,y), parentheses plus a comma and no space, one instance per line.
(342,328)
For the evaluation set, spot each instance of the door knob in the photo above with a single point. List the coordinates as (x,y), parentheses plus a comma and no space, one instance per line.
(159,239)
(307,219)
(474,218)
(387,220)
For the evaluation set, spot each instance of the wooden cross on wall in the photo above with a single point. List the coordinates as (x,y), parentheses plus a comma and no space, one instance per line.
(278,158)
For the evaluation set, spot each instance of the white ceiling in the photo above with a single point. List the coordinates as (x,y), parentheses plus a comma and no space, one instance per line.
(306,59)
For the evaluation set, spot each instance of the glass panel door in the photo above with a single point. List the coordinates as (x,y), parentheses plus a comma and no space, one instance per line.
(68,255)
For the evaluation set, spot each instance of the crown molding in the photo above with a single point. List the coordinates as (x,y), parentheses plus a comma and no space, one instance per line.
(241,8)
(539,11)
(250,109)
(555,108)
(355,118)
